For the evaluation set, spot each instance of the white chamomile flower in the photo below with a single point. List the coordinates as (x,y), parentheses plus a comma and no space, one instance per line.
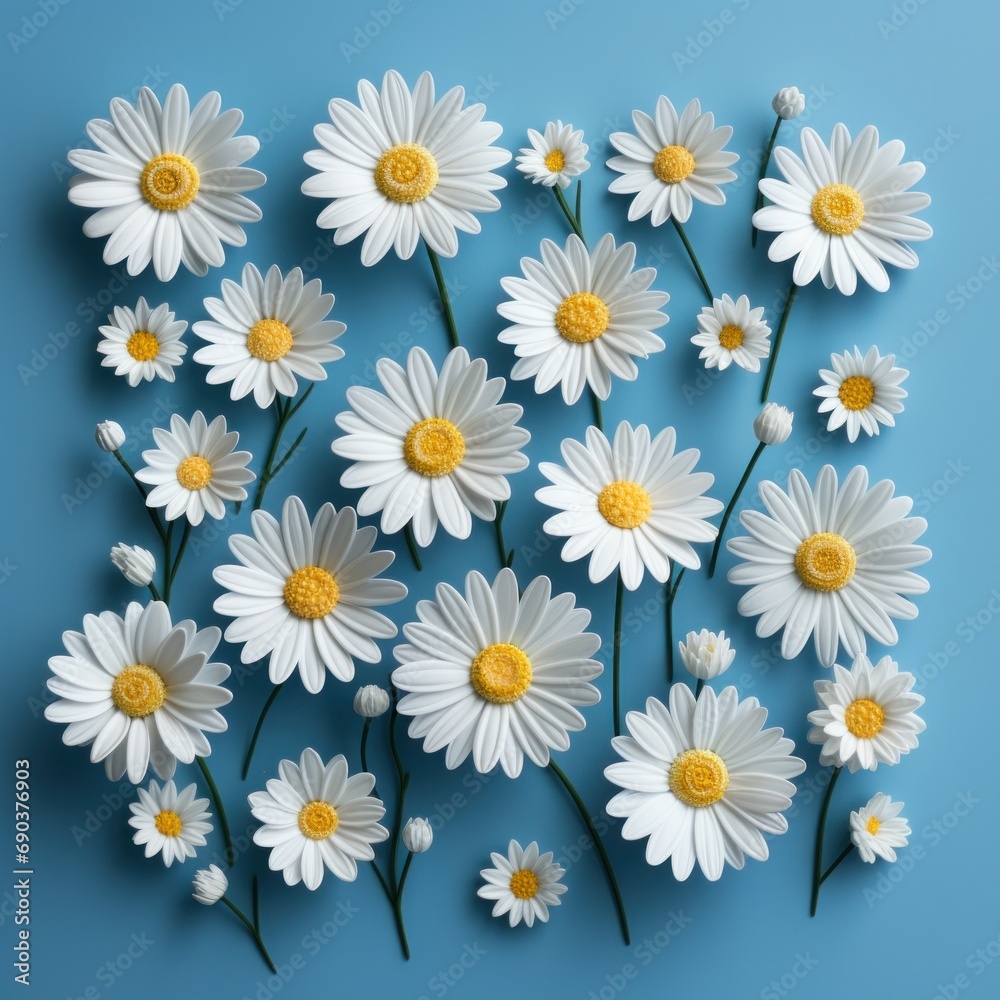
(170,823)
(633,505)
(556,157)
(845,209)
(524,884)
(832,562)
(877,829)
(316,817)
(497,674)
(703,780)
(143,343)
(134,563)
(403,167)
(730,332)
(434,448)
(194,470)
(266,331)
(167,182)
(579,317)
(140,689)
(706,654)
(305,593)
(670,161)
(109,435)
(773,425)
(861,391)
(788,103)
(210,885)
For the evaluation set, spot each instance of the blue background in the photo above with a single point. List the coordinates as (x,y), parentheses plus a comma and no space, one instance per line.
(921,71)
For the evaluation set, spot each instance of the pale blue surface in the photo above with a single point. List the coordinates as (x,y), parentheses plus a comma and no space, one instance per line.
(929,79)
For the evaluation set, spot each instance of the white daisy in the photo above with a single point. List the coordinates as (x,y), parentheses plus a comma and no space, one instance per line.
(581,317)
(194,470)
(703,780)
(671,160)
(496,674)
(844,209)
(830,562)
(861,392)
(404,167)
(867,715)
(556,157)
(706,654)
(524,884)
(210,885)
(631,505)
(169,823)
(167,182)
(730,332)
(316,817)
(141,690)
(143,343)
(878,829)
(434,448)
(305,593)
(266,331)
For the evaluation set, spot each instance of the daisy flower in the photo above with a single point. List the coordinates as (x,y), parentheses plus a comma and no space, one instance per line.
(194,470)
(832,562)
(143,343)
(315,817)
(169,824)
(730,332)
(878,829)
(861,392)
(579,318)
(167,182)
(555,158)
(434,448)
(703,780)
(670,161)
(524,884)
(403,167)
(304,593)
(210,885)
(140,690)
(867,715)
(706,654)
(265,331)
(631,505)
(496,674)
(843,210)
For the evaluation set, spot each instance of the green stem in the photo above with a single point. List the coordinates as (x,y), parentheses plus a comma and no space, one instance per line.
(732,505)
(168,546)
(579,199)
(598,412)
(694,258)
(568,212)
(672,585)
(449,316)
(698,687)
(397,906)
(403,781)
(288,454)
(253,931)
(256,729)
(152,589)
(411,544)
(617,654)
(185,535)
(364,747)
(840,857)
(820,832)
(506,555)
(284,410)
(219,809)
(777,341)
(255,891)
(759,201)
(153,516)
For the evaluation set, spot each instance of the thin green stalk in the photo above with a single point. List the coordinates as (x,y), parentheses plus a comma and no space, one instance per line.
(403,781)
(694,258)
(411,544)
(598,412)
(168,548)
(759,201)
(820,833)
(272,451)
(672,585)
(255,892)
(506,555)
(185,535)
(568,212)
(449,316)
(153,516)
(617,654)
(364,747)
(397,906)
(772,361)
(256,729)
(253,931)
(698,687)
(153,591)
(840,857)
(732,505)
(579,199)
(288,455)
(220,811)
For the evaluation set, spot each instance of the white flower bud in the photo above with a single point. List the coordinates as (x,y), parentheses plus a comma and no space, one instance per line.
(705,654)
(789,102)
(417,835)
(137,565)
(773,424)
(109,435)
(371,701)
(210,885)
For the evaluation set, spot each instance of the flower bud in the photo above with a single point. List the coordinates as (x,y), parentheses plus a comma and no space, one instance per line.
(705,654)
(371,701)
(137,565)
(417,835)
(210,885)
(773,424)
(109,435)
(789,102)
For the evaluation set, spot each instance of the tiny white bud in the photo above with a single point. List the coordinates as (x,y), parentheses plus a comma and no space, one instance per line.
(773,424)
(371,701)
(210,885)
(789,102)
(109,435)
(417,835)
(137,565)
(705,654)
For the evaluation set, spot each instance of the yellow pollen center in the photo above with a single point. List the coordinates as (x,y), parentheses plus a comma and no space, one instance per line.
(194,473)
(582,317)
(406,173)
(434,447)
(142,345)
(170,182)
(857,392)
(872,825)
(501,673)
(524,883)
(311,592)
(825,561)
(699,778)
(624,504)
(269,339)
(864,718)
(138,691)
(169,823)
(838,209)
(673,164)
(555,161)
(318,820)
(731,336)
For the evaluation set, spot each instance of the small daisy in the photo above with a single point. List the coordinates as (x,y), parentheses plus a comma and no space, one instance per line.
(670,161)
(832,562)
(633,505)
(556,157)
(210,885)
(867,715)
(524,884)
(316,817)
(705,654)
(730,332)
(861,392)
(167,182)
(435,448)
(143,343)
(844,209)
(878,829)
(581,317)
(169,824)
(266,331)
(194,470)
(305,593)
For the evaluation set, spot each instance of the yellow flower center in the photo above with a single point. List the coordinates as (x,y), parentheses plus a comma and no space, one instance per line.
(318,820)
(524,883)
(825,561)
(555,161)
(582,317)
(501,673)
(142,345)
(673,164)
(194,472)
(625,504)
(699,777)
(857,392)
(838,209)
(269,339)
(170,182)
(864,718)
(138,691)
(169,823)
(731,336)
(311,592)
(872,825)
(434,447)
(406,173)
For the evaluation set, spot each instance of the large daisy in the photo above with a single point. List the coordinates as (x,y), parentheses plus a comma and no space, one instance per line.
(143,343)
(170,823)
(555,158)
(877,829)
(861,392)
(844,209)
(496,674)
(579,318)
(703,780)
(523,884)
(403,167)
(167,182)
(731,332)
(832,562)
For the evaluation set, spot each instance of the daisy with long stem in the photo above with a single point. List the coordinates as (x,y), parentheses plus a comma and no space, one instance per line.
(211,886)
(554,159)
(788,103)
